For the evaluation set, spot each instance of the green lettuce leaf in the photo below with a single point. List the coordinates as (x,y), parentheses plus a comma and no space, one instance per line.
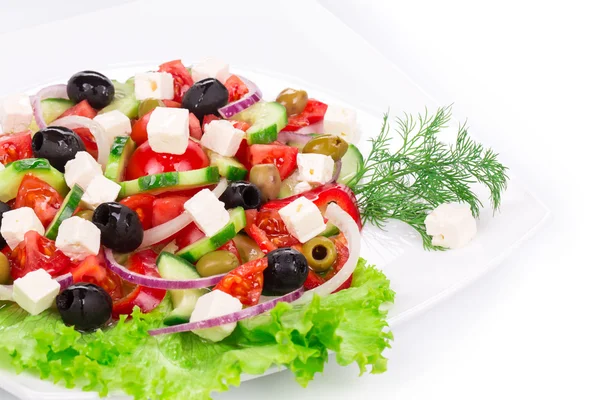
(126,359)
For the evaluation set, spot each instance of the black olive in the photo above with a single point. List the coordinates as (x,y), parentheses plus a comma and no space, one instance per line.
(92,86)
(85,306)
(120,227)
(287,271)
(57,144)
(241,194)
(3,208)
(205,97)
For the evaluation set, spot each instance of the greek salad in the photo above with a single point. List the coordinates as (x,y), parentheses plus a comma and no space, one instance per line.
(183,210)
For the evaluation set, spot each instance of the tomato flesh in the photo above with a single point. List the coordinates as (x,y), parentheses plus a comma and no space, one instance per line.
(245,282)
(142,204)
(139,130)
(93,270)
(144,161)
(236,88)
(313,112)
(182,80)
(16,146)
(81,109)
(37,252)
(40,196)
(283,157)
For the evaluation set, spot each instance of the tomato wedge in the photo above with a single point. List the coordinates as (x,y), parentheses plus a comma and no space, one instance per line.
(93,270)
(167,208)
(261,238)
(313,112)
(82,109)
(40,196)
(15,147)
(232,248)
(37,252)
(147,299)
(139,130)
(236,88)
(142,204)
(182,80)
(284,157)
(245,282)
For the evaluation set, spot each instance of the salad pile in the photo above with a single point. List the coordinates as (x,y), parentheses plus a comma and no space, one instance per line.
(162,236)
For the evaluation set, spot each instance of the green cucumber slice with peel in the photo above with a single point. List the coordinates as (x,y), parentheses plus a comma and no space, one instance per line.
(66,210)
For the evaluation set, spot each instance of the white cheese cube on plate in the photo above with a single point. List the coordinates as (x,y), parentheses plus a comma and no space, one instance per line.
(303,219)
(221,137)
(16,223)
(302,187)
(154,85)
(78,238)
(212,305)
(16,113)
(35,292)
(451,225)
(317,168)
(2,166)
(207,211)
(210,68)
(81,170)
(100,190)
(169,130)
(341,122)
(115,123)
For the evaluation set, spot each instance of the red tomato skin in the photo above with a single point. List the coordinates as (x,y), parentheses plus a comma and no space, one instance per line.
(142,204)
(40,196)
(81,109)
(37,252)
(195,129)
(232,248)
(261,238)
(182,79)
(16,146)
(283,157)
(236,88)
(188,235)
(313,113)
(93,270)
(167,208)
(88,141)
(139,130)
(144,161)
(245,282)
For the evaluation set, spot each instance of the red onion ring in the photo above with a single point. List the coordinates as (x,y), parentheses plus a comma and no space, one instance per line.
(50,92)
(230,318)
(252,97)
(99,133)
(287,137)
(158,283)
(337,168)
(6,291)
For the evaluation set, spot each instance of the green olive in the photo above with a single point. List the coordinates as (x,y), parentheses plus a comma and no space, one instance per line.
(4,270)
(266,178)
(217,262)
(248,249)
(293,100)
(148,105)
(85,214)
(320,253)
(329,145)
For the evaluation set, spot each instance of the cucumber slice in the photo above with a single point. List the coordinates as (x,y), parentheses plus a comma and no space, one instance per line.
(194,251)
(11,176)
(170,181)
(330,230)
(352,162)
(120,152)
(267,119)
(184,301)
(229,167)
(51,110)
(66,210)
(287,186)
(124,100)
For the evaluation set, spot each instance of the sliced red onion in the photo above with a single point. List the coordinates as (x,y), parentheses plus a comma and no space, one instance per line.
(230,318)
(155,282)
(253,96)
(337,168)
(6,291)
(168,229)
(340,218)
(317,127)
(50,92)
(99,133)
(287,137)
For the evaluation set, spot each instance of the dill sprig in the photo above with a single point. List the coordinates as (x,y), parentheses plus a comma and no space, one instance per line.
(406,184)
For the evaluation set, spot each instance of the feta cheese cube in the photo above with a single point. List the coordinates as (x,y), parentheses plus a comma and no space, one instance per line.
(35,292)
(210,68)
(169,130)
(78,238)
(154,85)
(221,137)
(342,122)
(451,225)
(302,187)
(100,190)
(81,170)
(16,113)
(303,219)
(212,305)
(317,168)
(115,123)
(16,223)
(207,211)
(2,166)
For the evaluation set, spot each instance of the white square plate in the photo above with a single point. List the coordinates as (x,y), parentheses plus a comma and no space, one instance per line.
(330,61)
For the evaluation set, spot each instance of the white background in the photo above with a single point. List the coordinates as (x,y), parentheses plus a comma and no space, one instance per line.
(527,74)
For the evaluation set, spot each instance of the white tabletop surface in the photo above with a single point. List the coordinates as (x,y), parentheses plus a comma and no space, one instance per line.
(526,73)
